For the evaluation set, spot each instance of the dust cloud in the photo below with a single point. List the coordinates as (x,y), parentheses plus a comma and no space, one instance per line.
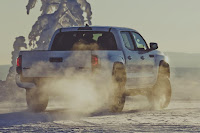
(185,83)
(78,88)
(18,45)
(8,89)
(55,14)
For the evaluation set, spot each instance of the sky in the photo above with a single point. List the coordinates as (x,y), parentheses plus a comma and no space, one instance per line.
(173,24)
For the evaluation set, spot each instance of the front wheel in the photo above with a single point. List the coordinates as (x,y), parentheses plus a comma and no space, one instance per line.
(36,99)
(160,95)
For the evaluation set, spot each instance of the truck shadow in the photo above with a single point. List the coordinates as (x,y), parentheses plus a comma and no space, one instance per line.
(22,117)
(27,117)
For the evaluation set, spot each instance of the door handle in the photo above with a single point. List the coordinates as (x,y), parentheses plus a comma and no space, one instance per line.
(151,55)
(129,57)
(26,68)
(142,57)
(56,59)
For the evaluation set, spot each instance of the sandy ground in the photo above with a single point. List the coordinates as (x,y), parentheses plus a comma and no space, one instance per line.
(180,116)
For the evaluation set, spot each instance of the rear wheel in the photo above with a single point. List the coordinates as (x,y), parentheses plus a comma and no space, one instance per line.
(160,95)
(36,99)
(119,80)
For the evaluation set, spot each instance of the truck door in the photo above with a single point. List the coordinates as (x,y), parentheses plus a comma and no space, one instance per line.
(132,59)
(146,62)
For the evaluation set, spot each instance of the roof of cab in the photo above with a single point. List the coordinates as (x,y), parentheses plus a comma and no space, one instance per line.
(96,28)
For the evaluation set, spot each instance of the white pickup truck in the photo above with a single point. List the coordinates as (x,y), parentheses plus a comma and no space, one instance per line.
(138,69)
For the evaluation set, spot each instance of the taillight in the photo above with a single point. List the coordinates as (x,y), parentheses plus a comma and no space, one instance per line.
(95,60)
(19,61)
(19,65)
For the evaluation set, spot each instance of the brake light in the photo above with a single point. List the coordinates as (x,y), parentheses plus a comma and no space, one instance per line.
(19,65)
(19,61)
(95,60)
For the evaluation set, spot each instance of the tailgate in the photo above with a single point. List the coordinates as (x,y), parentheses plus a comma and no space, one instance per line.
(53,63)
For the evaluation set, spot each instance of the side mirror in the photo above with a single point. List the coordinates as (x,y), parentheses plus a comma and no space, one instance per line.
(153,46)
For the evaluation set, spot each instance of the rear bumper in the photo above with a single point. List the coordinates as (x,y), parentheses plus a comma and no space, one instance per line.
(26,85)
(95,75)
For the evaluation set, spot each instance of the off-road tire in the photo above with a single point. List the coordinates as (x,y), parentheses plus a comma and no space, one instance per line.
(119,80)
(160,95)
(36,99)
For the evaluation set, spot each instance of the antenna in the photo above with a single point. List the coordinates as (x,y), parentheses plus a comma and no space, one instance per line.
(87,25)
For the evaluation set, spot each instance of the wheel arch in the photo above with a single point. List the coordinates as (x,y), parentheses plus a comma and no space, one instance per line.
(118,62)
(166,66)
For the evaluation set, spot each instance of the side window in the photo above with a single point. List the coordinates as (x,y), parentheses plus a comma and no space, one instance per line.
(140,43)
(128,42)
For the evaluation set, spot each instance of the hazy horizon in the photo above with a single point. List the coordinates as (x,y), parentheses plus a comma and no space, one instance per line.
(174,25)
